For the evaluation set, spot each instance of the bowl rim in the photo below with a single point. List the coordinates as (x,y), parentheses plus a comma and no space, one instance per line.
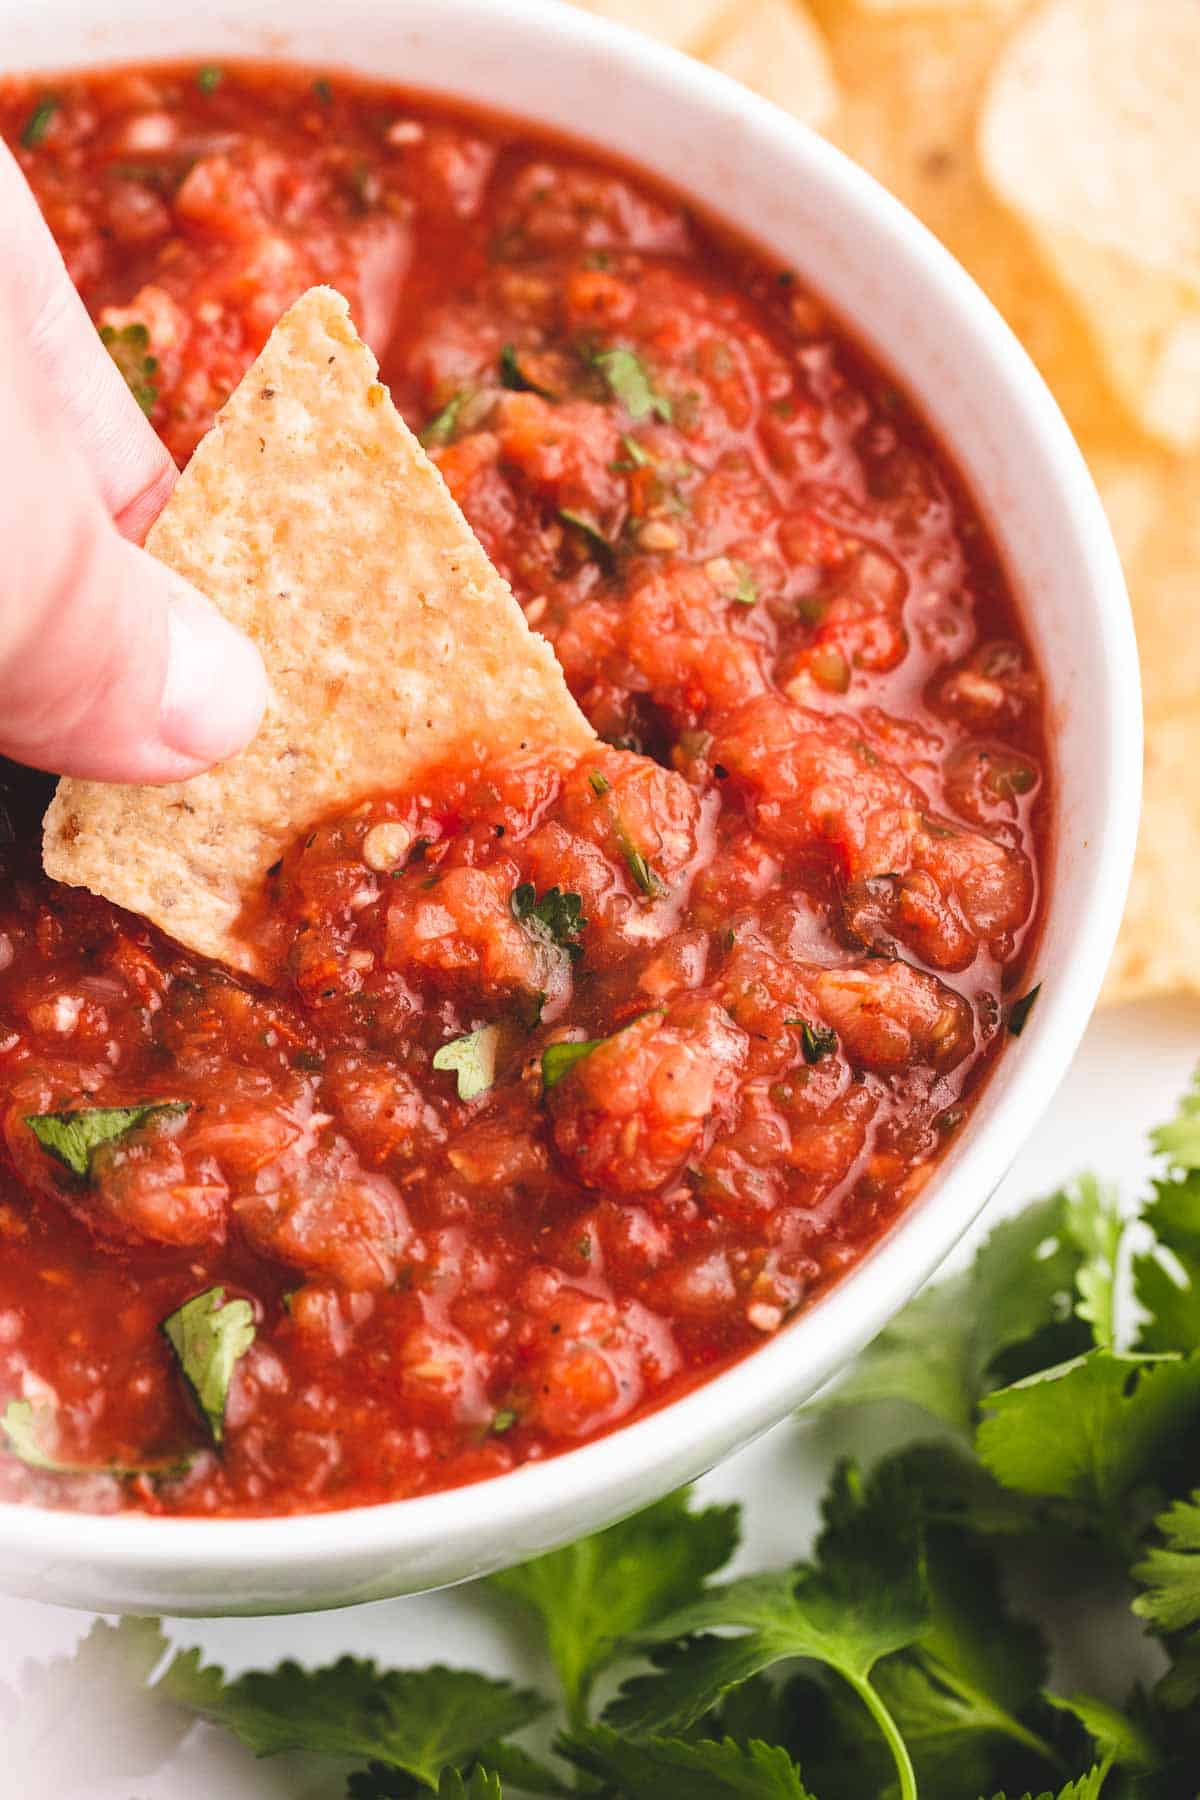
(678,1438)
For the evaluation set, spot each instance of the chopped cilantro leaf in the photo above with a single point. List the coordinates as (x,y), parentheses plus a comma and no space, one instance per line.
(817,1041)
(130,350)
(22,1424)
(513,376)
(1019,1011)
(559,1059)
(746,591)
(629,383)
(599,784)
(643,874)
(73,1137)
(503,1421)
(557,918)
(209,78)
(637,458)
(38,123)
(472,1059)
(209,1336)
(443,425)
(590,1595)
(599,547)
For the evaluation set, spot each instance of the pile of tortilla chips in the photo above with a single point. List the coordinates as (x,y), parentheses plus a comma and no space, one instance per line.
(1053,146)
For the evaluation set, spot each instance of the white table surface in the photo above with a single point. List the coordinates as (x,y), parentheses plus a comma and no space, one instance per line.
(70,1739)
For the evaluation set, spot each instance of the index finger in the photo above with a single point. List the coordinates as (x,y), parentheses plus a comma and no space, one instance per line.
(41,310)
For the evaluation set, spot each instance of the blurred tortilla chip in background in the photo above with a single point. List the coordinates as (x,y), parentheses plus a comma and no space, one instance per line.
(1052,145)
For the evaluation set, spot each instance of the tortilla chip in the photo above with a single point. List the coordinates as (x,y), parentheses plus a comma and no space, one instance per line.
(774,47)
(1088,133)
(313,518)
(906,8)
(679,22)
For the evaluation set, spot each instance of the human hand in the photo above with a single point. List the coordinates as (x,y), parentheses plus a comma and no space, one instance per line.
(111,666)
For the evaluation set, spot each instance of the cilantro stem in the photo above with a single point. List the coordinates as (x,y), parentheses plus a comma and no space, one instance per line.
(890,1731)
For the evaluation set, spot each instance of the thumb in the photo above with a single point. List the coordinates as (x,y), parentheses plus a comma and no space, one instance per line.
(111,666)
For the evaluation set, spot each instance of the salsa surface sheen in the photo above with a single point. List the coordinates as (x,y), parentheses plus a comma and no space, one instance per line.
(805,855)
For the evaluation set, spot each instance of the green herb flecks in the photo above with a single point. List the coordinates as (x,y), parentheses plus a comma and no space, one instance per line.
(73,1137)
(23,1425)
(645,877)
(323,91)
(515,377)
(559,1059)
(38,123)
(209,1335)
(635,456)
(1019,1011)
(209,78)
(130,350)
(472,1059)
(443,425)
(557,918)
(600,549)
(746,591)
(816,1041)
(629,383)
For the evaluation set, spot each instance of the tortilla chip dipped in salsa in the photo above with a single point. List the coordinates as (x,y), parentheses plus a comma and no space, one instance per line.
(311,515)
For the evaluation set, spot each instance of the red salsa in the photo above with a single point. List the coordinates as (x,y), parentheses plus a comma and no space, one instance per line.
(576,1083)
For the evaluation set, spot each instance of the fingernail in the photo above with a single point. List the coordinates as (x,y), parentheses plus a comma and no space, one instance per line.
(216,686)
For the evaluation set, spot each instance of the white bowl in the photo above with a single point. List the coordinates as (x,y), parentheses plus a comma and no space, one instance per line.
(910,303)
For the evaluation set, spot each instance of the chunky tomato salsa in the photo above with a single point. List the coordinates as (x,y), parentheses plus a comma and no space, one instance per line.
(578,1080)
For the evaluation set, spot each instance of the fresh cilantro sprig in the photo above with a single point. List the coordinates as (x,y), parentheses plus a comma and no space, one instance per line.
(593,1594)
(421,1722)
(861,1598)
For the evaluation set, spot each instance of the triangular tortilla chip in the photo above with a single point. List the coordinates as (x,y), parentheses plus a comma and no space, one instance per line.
(313,518)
